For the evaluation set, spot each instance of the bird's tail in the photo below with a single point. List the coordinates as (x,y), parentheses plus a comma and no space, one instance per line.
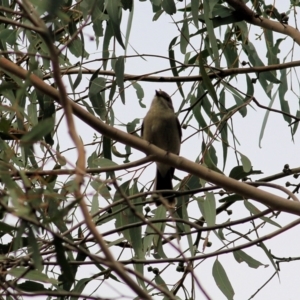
(165,183)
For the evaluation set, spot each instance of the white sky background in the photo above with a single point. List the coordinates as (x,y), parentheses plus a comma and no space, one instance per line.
(277,150)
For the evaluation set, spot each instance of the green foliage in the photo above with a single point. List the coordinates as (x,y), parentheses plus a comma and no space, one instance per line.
(57,57)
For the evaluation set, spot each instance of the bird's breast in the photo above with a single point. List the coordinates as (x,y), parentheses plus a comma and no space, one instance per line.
(162,131)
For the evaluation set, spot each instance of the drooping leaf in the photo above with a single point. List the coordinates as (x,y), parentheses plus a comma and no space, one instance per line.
(67,276)
(241,256)
(31,286)
(230,51)
(97,84)
(119,69)
(184,35)
(106,41)
(208,208)
(238,172)
(114,12)
(254,210)
(33,246)
(151,234)
(208,7)
(31,275)
(130,5)
(195,11)
(222,280)
(168,6)
(247,166)
(38,132)
(79,287)
(6,229)
(187,228)
(267,252)
(207,82)
(283,87)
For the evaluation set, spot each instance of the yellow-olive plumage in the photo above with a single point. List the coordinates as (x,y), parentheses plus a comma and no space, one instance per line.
(161,128)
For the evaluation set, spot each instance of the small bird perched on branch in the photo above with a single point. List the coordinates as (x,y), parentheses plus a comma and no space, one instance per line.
(161,128)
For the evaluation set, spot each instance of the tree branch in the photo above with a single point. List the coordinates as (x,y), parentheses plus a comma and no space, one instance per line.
(215,74)
(252,18)
(268,199)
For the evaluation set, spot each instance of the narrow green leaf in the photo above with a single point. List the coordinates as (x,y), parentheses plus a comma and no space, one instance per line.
(119,70)
(187,228)
(168,6)
(6,229)
(246,163)
(184,35)
(157,15)
(76,47)
(114,12)
(262,245)
(107,151)
(207,82)
(198,115)
(230,52)
(38,131)
(95,205)
(78,79)
(92,159)
(159,281)
(97,84)
(264,123)
(31,275)
(9,36)
(223,128)
(34,248)
(133,217)
(139,92)
(112,92)
(79,287)
(295,126)
(208,208)
(255,60)
(4,125)
(121,216)
(150,233)
(67,276)
(283,87)
(222,280)
(239,173)
(130,19)
(140,269)
(106,41)
(239,99)
(221,234)
(195,11)
(104,162)
(271,51)
(210,159)
(173,64)
(254,210)
(208,6)
(159,214)
(98,16)
(242,256)
(18,241)
(31,286)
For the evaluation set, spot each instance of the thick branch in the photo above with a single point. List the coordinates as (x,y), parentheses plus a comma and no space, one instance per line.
(252,18)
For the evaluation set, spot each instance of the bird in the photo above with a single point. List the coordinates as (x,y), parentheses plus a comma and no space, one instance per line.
(161,128)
